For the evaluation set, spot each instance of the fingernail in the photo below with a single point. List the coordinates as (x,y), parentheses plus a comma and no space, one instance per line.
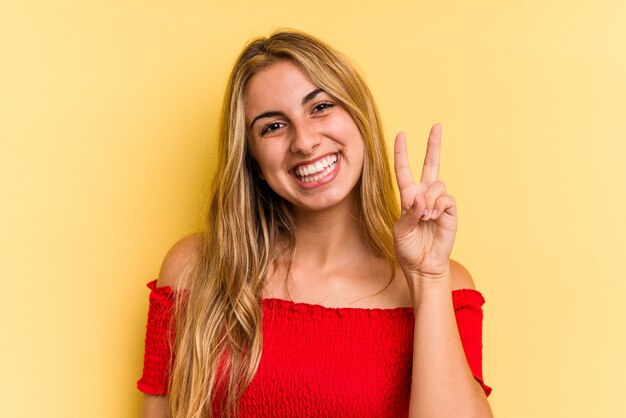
(425,214)
(432,215)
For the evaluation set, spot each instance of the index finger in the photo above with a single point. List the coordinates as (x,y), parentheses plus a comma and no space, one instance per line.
(430,172)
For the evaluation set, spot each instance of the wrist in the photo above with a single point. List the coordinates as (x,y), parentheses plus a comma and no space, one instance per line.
(428,286)
(422,279)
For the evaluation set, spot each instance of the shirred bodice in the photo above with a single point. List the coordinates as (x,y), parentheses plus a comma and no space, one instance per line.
(323,362)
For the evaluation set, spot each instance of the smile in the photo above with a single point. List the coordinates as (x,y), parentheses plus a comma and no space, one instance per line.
(316,171)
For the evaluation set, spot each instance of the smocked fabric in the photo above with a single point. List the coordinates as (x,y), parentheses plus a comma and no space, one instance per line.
(323,362)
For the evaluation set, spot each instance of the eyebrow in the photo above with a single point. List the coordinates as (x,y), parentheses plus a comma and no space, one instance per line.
(310,96)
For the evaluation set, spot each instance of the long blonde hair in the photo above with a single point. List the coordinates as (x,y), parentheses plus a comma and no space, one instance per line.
(218,341)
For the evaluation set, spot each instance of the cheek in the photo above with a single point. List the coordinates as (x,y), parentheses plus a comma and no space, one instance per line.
(342,124)
(268,161)
(344,127)
(352,137)
(358,149)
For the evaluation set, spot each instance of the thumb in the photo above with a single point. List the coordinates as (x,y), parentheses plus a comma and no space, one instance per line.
(411,217)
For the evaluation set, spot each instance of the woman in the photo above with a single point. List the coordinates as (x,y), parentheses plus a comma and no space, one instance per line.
(311,293)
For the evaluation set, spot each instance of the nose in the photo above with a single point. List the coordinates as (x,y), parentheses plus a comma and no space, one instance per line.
(304,139)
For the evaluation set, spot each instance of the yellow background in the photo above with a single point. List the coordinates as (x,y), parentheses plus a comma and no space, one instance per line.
(108,112)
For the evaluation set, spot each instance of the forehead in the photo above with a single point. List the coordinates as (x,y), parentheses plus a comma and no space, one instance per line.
(281,84)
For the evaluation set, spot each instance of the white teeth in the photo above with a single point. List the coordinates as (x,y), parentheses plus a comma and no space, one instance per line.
(320,169)
(317,167)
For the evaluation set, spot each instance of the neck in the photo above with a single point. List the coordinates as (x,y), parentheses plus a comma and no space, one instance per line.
(327,238)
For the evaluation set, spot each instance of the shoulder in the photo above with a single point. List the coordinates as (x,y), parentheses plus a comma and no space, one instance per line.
(177,259)
(461,278)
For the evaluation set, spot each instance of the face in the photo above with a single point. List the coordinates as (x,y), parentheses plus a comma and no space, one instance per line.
(307,146)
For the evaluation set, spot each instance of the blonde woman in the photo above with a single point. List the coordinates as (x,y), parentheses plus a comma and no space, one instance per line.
(312,292)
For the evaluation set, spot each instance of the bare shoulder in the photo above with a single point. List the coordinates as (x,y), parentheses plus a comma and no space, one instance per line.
(177,259)
(461,278)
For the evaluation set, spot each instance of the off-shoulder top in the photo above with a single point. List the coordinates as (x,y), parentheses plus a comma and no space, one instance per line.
(323,362)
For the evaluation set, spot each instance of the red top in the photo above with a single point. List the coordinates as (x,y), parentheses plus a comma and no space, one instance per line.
(323,362)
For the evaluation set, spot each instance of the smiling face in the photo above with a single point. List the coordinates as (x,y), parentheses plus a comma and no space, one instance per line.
(307,146)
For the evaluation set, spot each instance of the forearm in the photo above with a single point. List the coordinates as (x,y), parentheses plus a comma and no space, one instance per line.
(442,383)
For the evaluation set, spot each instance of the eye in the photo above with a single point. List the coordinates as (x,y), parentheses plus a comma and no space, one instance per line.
(320,107)
(271,127)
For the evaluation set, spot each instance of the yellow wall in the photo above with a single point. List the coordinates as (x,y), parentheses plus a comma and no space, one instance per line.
(108,112)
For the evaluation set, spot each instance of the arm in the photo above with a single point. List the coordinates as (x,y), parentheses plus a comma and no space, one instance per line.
(442,383)
(174,263)
(154,407)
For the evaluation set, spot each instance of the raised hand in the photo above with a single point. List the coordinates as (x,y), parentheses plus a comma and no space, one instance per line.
(424,234)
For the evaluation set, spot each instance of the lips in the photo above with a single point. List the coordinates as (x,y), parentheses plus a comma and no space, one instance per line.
(317,171)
